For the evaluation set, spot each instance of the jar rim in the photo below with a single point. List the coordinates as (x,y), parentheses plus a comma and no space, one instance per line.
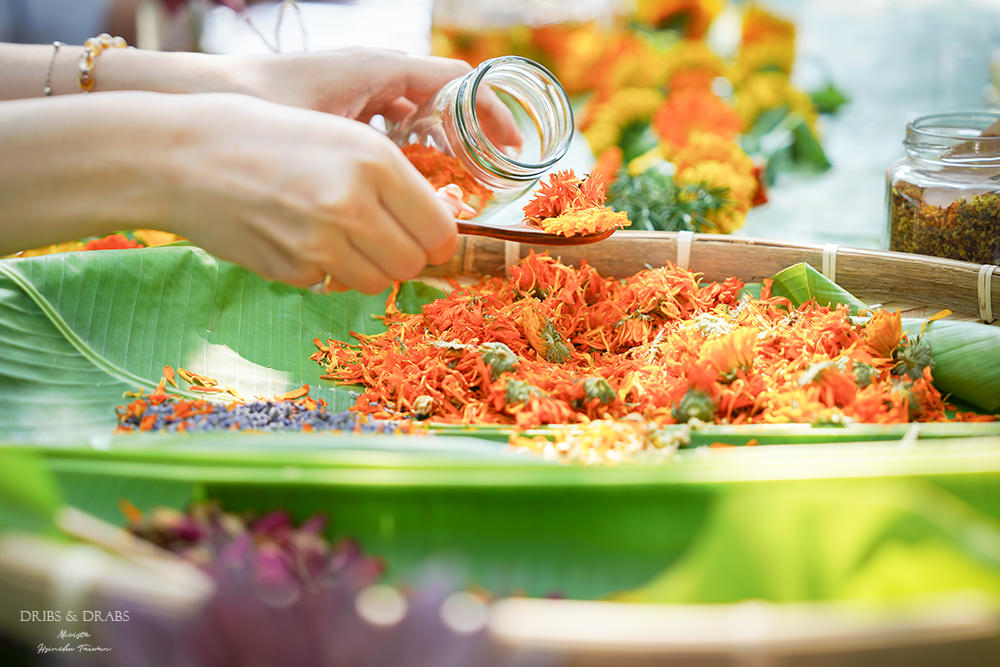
(954,138)
(495,154)
(936,125)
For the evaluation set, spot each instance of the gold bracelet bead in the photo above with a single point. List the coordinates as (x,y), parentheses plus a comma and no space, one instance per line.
(92,48)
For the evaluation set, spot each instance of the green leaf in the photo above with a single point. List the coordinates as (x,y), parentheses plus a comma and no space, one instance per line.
(653,200)
(29,497)
(806,148)
(78,329)
(636,139)
(966,359)
(829,98)
(800,283)
(861,540)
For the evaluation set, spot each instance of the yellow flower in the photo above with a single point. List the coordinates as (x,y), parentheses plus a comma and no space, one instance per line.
(740,188)
(691,17)
(703,146)
(594,220)
(759,56)
(152,237)
(650,158)
(691,63)
(759,91)
(760,25)
(68,246)
(732,351)
(610,118)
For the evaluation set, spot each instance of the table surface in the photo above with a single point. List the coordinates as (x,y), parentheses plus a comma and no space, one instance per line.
(896,60)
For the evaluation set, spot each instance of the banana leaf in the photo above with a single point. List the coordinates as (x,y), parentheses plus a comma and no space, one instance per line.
(966,354)
(29,497)
(966,359)
(837,540)
(800,283)
(78,329)
(519,524)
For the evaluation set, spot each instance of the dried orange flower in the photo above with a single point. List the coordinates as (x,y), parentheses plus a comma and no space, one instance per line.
(569,206)
(555,344)
(883,333)
(441,169)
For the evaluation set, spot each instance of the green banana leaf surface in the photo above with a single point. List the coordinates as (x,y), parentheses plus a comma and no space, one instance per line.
(79,329)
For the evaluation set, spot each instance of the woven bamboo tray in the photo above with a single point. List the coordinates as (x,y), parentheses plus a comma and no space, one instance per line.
(916,284)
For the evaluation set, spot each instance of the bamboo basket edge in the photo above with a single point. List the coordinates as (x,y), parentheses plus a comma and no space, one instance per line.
(915,283)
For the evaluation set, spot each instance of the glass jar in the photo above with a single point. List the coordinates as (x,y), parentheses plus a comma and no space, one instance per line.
(462,135)
(943,197)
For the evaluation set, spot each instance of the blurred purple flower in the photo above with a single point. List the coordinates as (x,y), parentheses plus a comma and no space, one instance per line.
(286,596)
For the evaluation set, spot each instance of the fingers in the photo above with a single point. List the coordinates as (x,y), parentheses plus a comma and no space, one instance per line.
(422,77)
(389,246)
(353,269)
(411,201)
(497,120)
(331,285)
(398,109)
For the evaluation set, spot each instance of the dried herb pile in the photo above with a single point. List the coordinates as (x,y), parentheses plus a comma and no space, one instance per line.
(966,229)
(555,344)
(292,411)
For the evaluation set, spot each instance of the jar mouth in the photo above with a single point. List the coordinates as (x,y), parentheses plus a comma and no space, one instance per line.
(955,138)
(542,101)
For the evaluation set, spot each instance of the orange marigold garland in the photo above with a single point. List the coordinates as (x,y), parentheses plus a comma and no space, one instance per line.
(571,206)
(555,344)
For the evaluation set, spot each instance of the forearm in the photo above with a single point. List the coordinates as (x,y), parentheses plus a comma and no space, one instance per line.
(25,68)
(72,167)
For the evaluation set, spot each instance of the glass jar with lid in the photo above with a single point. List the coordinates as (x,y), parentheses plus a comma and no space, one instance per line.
(944,196)
(493,132)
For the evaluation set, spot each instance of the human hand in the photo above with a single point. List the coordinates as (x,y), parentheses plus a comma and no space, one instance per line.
(297,196)
(359,83)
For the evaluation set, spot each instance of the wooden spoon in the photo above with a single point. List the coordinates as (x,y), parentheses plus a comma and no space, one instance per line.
(522,233)
(451,195)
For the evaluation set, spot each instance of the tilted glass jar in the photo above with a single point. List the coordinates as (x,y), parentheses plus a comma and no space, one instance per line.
(943,197)
(458,136)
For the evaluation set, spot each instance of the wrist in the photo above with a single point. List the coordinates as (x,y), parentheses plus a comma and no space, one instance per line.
(164,72)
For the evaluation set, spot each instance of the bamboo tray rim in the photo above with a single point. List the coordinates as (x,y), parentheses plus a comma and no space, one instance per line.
(967,288)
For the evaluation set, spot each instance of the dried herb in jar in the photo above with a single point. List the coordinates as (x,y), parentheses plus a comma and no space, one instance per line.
(966,229)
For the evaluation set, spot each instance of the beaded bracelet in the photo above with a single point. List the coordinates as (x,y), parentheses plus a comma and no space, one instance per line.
(93,48)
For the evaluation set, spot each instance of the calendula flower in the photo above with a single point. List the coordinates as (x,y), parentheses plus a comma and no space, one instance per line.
(610,118)
(68,246)
(704,146)
(761,25)
(154,237)
(112,242)
(564,192)
(689,111)
(609,161)
(692,64)
(739,188)
(691,18)
(883,333)
(732,351)
(570,206)
(441,169)
(586,221)
(757,92)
